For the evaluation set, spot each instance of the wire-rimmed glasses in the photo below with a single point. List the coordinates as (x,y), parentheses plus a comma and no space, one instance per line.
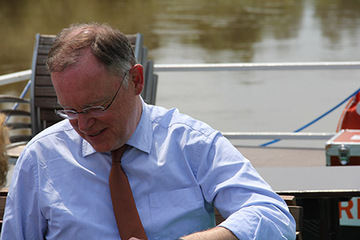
(94,111)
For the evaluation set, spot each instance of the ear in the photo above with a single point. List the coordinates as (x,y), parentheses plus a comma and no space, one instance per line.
(137,77)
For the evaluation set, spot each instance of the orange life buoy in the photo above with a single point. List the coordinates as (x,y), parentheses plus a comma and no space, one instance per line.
(350,117)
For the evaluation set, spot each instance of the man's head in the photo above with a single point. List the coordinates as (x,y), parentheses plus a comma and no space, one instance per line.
(107,44)
(93,67)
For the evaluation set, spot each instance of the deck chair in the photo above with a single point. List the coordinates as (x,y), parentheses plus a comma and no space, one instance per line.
(151,81)
(43,96)
(297,212)
(18,120)
(3,195)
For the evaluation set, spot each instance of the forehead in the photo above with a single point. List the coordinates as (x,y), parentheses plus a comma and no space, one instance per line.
(84,83)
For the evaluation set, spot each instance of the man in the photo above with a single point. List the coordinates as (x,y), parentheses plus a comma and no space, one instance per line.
(178,168)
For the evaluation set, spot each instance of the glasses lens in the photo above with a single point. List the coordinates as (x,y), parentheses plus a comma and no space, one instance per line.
(66,114)
(71,115)
(97,111)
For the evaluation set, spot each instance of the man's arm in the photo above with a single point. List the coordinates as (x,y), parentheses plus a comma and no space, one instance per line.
(22,218)
(249,205)
(216,233)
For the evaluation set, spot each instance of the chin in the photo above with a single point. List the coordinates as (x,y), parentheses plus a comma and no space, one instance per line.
(100,144)
(104,146)
(101,148)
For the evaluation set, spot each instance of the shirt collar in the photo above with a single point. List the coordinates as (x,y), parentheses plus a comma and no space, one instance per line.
(141,139)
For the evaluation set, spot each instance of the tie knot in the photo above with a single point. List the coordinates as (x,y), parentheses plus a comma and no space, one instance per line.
(118,153)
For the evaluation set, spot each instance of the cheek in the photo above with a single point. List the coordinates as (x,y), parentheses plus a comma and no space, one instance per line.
(117,122)
(113,122)
(74,123)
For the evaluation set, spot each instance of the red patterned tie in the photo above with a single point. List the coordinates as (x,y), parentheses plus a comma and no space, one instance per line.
(126,214)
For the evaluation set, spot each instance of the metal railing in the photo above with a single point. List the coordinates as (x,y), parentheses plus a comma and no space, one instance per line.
(15,77)
(277,135)
(25,75)
(257,66)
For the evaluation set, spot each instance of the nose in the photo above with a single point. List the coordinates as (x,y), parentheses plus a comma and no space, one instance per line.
(84,122)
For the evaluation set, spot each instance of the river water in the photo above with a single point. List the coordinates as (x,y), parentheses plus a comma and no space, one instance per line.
(217,31)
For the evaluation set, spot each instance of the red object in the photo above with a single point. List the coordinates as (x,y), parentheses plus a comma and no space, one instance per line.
(347,137)
(350,117)
(343,148)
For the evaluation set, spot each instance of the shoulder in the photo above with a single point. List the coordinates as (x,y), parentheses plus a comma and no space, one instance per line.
(173,119)
(62,129)
(52,140)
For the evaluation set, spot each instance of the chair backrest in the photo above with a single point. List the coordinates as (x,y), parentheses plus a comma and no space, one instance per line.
(3,195)
(43,96)
(17,119)
(151,81)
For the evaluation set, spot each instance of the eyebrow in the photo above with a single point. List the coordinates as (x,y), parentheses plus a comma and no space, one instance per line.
(95,104)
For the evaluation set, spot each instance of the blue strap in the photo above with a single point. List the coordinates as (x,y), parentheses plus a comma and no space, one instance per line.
(315,120)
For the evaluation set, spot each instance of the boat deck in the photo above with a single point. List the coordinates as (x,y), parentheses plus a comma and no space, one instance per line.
(284,157)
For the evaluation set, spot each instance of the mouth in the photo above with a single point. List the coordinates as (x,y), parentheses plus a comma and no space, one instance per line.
(95,134)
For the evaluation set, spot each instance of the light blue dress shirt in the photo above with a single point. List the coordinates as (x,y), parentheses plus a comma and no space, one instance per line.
(178,169)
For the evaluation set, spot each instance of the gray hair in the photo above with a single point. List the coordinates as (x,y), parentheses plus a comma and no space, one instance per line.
(107,44)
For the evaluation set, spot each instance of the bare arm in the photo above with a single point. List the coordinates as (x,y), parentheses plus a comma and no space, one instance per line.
(216,233)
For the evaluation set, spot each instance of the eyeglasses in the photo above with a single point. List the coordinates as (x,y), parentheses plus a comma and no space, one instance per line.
(94,111)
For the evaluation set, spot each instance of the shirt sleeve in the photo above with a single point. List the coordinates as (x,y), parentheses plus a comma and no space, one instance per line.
(251,208)
(22,217)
